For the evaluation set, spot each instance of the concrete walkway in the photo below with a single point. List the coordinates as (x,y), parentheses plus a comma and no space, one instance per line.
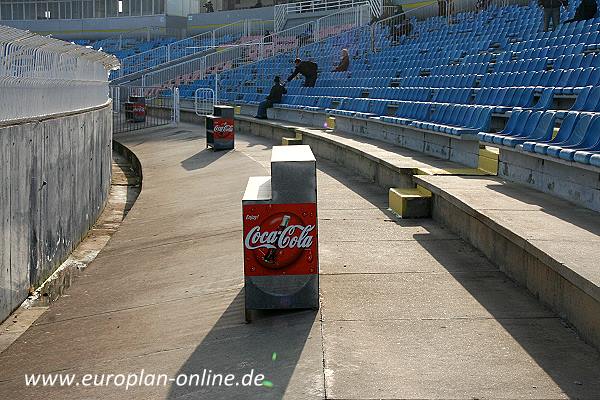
(408,309)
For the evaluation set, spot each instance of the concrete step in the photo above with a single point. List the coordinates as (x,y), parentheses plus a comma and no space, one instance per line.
(410,202)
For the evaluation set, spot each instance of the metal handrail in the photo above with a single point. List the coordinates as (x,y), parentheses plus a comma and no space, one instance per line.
(267,46)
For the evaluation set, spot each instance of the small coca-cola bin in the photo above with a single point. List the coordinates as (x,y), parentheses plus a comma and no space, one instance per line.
(135,109)
(220,131)
(281,259)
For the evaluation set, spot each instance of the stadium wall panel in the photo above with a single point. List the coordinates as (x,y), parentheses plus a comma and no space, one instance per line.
(54,181)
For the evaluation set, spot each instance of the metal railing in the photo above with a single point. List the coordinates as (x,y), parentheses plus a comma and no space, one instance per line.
(147,33)
(268,46)
(42,76)
(396,24)
(205,100)
(137,107)
(236,32)
(281,11)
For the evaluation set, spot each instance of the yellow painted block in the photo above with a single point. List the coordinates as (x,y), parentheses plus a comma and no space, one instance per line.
(488,160)
(409,202)
(449,171)
(237,109)
(330,122)
(287,141)
(489,152)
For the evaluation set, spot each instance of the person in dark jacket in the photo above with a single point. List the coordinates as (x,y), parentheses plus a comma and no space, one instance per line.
(274,97)
(209,7)
(587,9)
(344,62)
(551,12)
(308,69)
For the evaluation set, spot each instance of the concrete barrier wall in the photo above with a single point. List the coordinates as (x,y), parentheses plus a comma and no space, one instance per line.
(577,183)
(54,182)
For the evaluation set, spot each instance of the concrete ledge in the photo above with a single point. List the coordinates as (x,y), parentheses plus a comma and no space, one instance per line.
(460,149)
(543,243)
(572,181)
(383,163)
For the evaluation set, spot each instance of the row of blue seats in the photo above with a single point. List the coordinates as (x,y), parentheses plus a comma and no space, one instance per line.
(310,103)
(508,97)
(557,78)
(440,81)
(577,139)
(499,100)
(360,108)
(550,52)
(451,95)
(533,64)
(586,38)
(576,61)
(461,69)
(329,91)
(453,119)
(356,82)
(412,94)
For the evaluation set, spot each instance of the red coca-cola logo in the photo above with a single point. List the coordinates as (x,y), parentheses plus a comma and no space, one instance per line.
(223,128)
(226,128)
(280,239)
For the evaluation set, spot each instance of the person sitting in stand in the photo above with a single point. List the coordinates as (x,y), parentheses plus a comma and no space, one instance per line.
(587,9)
(344,62)
(308,69)
(274,97)
(209,7)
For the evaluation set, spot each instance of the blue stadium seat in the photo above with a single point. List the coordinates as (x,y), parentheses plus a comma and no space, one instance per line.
(588,141)
(571,131)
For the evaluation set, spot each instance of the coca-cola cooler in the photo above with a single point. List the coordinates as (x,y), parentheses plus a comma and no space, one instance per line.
(220,131)
(281,260)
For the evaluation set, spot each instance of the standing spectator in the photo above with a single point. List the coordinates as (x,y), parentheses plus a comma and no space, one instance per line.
(344,62)
(209,7)
(441,7)
(551,12)
(587,9)
(308,69)
(274,97)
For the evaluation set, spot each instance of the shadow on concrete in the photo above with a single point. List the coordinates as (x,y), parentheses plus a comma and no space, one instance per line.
(234,347)
(569,361)
(581,217)
(202,159)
